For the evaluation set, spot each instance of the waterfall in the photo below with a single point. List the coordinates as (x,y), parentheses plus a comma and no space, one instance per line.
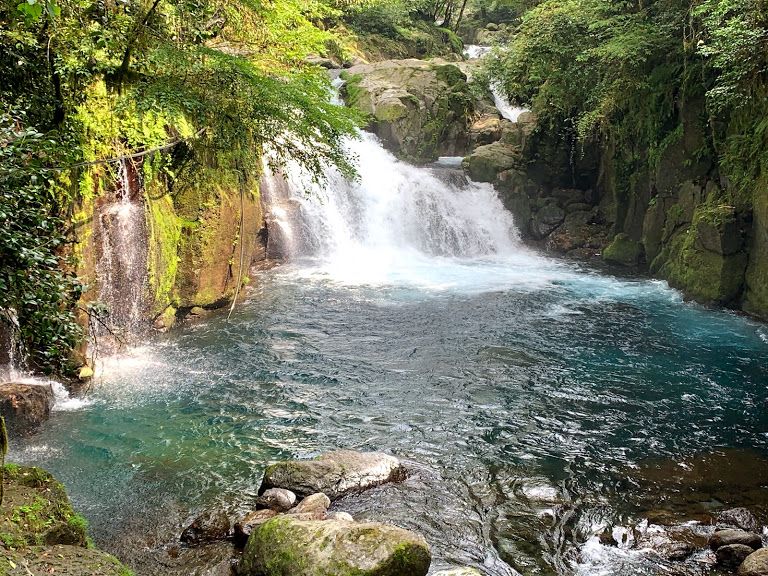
(507,110)
(394,215)
(122,266)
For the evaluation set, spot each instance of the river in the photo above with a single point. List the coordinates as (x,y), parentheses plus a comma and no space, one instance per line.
(533,398)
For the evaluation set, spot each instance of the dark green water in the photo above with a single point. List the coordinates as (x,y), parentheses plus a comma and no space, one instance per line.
(528,395)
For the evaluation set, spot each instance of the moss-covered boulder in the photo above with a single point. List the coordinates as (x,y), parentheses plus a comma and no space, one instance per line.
(485,163)
(334,474)
(702,273)
(25,406)
(40,533)
(285,546)
(421,110)
(623,250)
(36,510)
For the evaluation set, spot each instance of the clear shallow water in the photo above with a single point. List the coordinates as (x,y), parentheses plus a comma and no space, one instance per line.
(527,406)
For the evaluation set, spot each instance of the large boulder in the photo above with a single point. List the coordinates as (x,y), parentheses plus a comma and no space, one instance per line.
(421,110)
(756,564)
(25,406)
(546,220)
(731,556)
(285,546)
(740,518)
(335,473)
(485,163)
(732,536)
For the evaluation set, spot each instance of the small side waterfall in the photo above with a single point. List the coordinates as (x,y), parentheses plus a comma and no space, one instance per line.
(507,110)
(394,213)
(122,266)
(12,355)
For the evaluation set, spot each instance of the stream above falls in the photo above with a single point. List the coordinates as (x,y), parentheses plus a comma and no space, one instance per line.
(537,402)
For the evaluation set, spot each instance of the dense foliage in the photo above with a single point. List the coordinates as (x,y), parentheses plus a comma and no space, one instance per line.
(623,71)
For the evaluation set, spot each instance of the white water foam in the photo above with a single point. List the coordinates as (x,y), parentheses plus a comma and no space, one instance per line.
(400,225)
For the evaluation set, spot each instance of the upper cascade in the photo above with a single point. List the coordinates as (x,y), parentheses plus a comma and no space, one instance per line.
(393,208)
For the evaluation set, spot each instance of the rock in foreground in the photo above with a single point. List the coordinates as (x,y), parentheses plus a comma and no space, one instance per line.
(285,546)
(334,474)
(756,564)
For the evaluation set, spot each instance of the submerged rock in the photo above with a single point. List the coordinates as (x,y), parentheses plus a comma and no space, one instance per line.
(740,518)
(285,546)
(732,555)
(756,564)
(208,527)
(732,536)
(25,406)
(334,474)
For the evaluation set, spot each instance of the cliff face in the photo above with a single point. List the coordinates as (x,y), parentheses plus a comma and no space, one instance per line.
(673,214)
(164,232)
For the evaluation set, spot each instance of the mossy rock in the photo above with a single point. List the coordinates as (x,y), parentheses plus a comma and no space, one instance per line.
(487,162)
(285,546)
(62,560)
(756,293)
(36,511)
(419,109)
(623,250)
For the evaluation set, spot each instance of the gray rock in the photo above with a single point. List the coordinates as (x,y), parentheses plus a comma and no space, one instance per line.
(730,536)
(315,505)
(740,518)
(458,572)
(756,564)
(25,406)
(485,163)
(546,220)
(278,499)
(732,555)
(335,474)
(208,527)
(285,546)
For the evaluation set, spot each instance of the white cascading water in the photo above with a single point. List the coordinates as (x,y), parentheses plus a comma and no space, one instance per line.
(507,110)
(397,224)
(122,266)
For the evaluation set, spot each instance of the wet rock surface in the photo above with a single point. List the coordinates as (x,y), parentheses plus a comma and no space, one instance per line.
(740,518)
(732,536)
(208,527)
(731,556)
(278,499)
(756,564)
(334,474)
(285,546)
(25,406)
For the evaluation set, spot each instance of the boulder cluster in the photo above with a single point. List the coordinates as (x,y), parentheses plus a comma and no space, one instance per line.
(292,530)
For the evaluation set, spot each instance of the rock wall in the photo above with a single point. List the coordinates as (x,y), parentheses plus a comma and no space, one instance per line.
(197,228)
(675,216)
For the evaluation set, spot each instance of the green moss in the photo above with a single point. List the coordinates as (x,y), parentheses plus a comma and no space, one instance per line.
(623,250)
(703,275)
(162,262)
